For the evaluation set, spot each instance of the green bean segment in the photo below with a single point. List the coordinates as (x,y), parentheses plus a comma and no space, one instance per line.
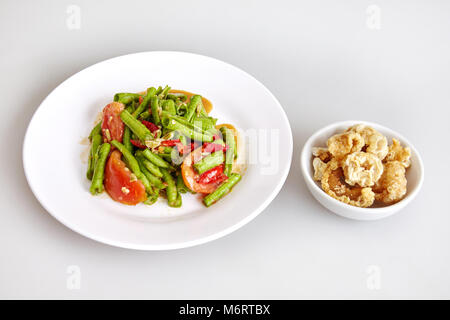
(96,142)
(154,105)
(140,130)
(230,153)
(155,159)
(210,161)
(171,190)
(144,104)
(99,170)
(126,98)
(222,190)
(154,181)
(96,130)
(192,133)
(195,102)
(149,165)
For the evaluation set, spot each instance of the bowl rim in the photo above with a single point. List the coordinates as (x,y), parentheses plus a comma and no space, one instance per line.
(305,162)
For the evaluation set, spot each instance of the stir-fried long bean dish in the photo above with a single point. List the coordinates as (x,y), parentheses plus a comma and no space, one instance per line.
(161,143)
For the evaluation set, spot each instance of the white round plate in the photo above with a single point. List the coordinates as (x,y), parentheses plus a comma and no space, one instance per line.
(52,152)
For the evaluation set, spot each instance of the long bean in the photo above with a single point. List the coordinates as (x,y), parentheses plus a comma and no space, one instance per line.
(136,126)
(99,170)
(126,97)
(126,139)
(164,92)
(181,109)
(151,199)
(199,123)
(176,96)
(144,104)
(151,178)
(154,105)
(209,162)
(171,190)
(206,123)
(145,115)
(194,134)
(149,165)
(96,130)
(179,202)
(169,106)
(181,187)
(222,190)
(229,158)
(192,107)
(155,159)
(96,142)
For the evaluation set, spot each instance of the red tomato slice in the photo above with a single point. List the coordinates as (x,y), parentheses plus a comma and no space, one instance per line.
(190,177)
(112,125)
(119,183)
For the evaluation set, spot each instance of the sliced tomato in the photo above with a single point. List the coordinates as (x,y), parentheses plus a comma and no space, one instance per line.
(120,184)
(191,177)
(112,125)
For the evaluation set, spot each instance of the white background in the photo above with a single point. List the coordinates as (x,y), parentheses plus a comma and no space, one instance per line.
(323,63)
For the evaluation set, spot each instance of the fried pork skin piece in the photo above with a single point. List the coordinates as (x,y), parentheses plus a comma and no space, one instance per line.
(342,144)
(333,183)
(319,167)
(398,153)
(362,168)
(374,141)
(322,153)
(392,185)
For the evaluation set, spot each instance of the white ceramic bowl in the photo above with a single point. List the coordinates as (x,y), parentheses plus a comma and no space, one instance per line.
(414,174)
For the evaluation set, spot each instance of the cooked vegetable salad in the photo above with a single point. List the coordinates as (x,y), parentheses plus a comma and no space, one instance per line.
(161,143)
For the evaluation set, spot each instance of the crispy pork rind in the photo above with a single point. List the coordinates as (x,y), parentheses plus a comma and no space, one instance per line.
(392,185)
(322,153)
(362,168)
(333,183)
(319,167)
(399,153)
(345,143)
(374,141)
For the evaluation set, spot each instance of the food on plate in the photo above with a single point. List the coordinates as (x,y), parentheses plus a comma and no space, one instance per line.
(359,168)
(162,143)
